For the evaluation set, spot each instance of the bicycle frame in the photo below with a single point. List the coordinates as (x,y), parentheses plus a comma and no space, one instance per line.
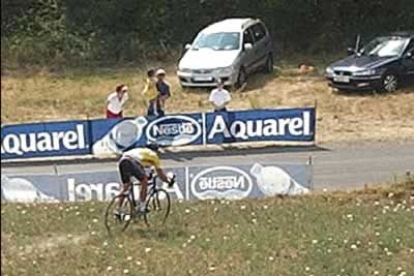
(152,188)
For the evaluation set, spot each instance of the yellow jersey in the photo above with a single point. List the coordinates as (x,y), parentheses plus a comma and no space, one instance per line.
(144,156)
(150,91)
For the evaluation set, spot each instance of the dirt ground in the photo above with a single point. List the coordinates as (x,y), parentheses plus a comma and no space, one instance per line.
(342,117)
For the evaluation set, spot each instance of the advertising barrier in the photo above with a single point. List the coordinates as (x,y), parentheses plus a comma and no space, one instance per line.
(105,136)
(45,139)
(193,183)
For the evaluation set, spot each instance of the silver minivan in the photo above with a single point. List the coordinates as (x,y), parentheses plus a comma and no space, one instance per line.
(229,50)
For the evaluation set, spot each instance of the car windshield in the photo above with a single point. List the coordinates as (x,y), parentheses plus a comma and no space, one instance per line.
(386,47)
(218,41)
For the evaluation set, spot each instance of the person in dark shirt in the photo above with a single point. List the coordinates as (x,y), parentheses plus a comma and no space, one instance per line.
(163,91)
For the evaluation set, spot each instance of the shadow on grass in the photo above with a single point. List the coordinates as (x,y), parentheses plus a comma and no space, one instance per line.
(406,88)
(166,233)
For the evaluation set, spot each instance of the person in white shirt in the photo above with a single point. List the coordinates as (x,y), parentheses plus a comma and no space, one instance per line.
(115,102)
(220,97)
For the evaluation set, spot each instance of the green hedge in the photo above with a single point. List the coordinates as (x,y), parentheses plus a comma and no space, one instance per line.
(74,32)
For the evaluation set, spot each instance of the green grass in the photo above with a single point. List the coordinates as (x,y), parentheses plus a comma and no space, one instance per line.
(359,233)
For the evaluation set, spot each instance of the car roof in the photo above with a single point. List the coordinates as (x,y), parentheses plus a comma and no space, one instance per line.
(230,25)
(403,34)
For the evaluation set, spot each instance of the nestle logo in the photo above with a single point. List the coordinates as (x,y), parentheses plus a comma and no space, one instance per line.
(221,182)
(174,130)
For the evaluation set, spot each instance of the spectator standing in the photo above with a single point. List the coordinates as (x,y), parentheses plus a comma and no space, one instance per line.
(220,97)
(150,93)
(163,91)
(116,101)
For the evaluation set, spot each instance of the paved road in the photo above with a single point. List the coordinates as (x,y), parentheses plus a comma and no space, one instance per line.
(335,166)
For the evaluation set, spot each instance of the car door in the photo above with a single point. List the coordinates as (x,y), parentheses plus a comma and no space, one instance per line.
(247,56)
(260,46)
(408,63)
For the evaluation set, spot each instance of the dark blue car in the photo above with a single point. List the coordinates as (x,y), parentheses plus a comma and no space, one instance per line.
(382,65)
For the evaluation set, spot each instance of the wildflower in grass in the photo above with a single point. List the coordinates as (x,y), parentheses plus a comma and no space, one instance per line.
(126,271)
(265,207)
(314,241)
(271,258)
(254,221)
(147,250)
(23,212)
(95,220)
(138,263)
(77,213)
(243,207)
(93,233)
(91,210)
(207,240)
(354,247)
(69,236)
(120,246)
(187,211)
(109,268)
(376,272)
(307,268)
(212,268)
(192,237)
(129,258)
(184,245)
(402,273)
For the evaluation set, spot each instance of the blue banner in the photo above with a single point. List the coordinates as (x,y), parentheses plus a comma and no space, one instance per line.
(108,136)
(45,139)
(293,125)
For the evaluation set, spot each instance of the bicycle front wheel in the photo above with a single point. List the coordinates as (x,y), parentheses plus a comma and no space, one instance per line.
(118,216)
(158,208)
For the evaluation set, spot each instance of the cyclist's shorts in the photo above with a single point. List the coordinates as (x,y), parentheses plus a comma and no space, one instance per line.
(130,168)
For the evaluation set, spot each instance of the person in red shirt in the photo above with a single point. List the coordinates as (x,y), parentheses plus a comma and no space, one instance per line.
(116,101)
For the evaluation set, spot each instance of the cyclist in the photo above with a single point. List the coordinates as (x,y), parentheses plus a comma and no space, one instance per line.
(134,163)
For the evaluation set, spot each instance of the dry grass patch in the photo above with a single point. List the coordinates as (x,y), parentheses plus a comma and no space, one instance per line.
(341,117)
(368,232)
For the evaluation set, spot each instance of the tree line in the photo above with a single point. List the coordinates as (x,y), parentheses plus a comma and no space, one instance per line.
(75,32)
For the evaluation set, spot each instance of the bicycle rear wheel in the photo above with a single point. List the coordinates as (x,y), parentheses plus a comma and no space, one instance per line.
(158,208)
(118,218)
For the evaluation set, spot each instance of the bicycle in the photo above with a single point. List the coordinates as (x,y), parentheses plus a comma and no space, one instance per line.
(158,206)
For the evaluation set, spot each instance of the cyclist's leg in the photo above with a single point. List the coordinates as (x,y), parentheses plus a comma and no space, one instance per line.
(139,173)
(125,171)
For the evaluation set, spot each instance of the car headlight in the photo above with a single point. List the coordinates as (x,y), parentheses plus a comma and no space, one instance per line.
(184,70)
(224,70)
(329,71)
(362,73)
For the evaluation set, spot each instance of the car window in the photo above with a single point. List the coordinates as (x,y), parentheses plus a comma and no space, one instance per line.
(386,47)
(259,31)
(218,41)
(247,36)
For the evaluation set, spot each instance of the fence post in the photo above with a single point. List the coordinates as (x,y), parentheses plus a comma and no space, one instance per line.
(310,164)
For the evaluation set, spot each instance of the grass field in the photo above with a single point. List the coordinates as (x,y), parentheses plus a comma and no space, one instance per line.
(45,95)
(360,233)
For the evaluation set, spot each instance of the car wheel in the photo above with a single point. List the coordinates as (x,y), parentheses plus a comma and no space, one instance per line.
(241,78)
(389,82)
(269,64)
